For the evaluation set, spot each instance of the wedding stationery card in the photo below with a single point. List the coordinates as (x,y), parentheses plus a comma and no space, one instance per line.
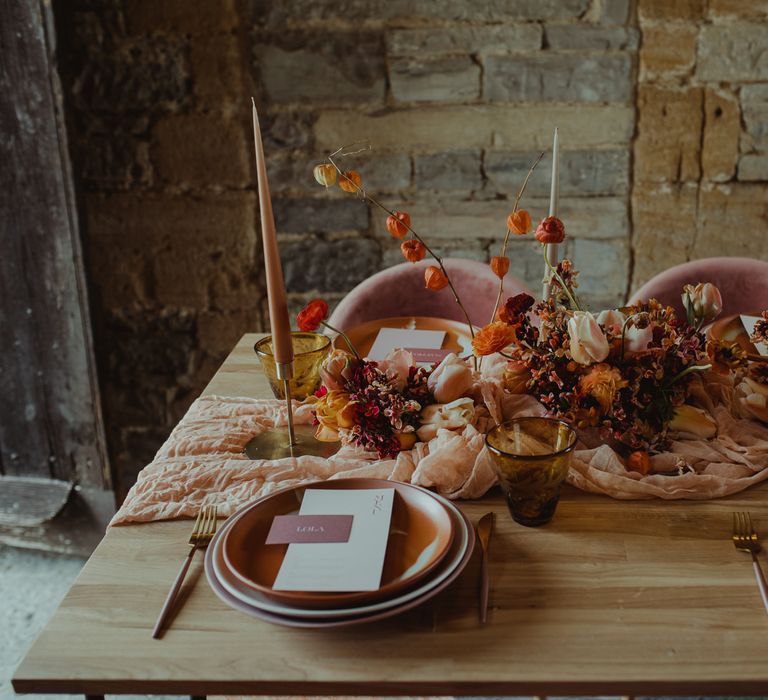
(354,565)
(749,326)
(392,338)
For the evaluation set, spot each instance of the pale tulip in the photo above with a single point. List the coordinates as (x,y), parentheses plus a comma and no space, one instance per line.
(703,300)
(612,320)
(397,365)
(588,342)
(693,421)
(451,379)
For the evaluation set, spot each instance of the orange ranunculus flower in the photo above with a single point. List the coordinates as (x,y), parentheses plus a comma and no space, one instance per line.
(333,411)
(550,230)
(500,265)
(351,181)
(494,337)
(434,278)
(519,222)
(325,174)
(639,461)
(398,224)
(602,383)
(413,250)
(309,318)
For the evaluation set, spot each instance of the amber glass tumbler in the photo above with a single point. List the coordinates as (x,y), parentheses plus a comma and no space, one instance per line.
(531,457)
(309,351)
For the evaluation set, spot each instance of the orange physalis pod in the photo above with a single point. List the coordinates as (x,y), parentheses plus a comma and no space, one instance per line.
(325,174)
(500,265)
(350,181)
(413,250)
(639,461)
(398,224)
(435,279)
(519,222)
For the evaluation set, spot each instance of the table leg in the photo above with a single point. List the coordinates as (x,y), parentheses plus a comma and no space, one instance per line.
(197,697)
(94,697)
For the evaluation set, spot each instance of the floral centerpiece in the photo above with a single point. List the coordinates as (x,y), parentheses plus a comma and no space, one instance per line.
(623,376)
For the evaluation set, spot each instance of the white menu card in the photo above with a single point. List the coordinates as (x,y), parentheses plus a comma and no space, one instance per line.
(354,565)
(392,338)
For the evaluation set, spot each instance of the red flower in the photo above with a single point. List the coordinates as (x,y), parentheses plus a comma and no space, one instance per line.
(550,230)
(398,224)
(434,278)
(413,250)
(500,265)
(311,315)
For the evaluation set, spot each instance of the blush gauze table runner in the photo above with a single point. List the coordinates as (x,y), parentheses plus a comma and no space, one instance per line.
(203,459)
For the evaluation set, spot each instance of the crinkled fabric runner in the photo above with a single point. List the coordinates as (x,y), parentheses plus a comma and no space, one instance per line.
(203,459)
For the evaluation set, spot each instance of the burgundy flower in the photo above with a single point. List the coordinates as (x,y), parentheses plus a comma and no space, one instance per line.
(515,307)
(550,230)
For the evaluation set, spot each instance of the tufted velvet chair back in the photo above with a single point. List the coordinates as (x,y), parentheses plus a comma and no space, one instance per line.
(743,283)
(399,291)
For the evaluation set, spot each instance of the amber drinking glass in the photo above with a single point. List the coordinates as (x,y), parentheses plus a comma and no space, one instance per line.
(531,457)
(309,351)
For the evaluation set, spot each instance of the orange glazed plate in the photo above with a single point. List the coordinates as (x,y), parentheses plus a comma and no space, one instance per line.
(420,535)
(457,336)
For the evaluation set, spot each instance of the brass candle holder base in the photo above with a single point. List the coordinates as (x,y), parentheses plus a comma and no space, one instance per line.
(276,444)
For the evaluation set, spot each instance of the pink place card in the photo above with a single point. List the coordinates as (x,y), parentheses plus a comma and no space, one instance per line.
(309,528)
(430,356)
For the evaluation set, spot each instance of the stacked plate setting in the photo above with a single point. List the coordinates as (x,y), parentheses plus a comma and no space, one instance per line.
(430,543)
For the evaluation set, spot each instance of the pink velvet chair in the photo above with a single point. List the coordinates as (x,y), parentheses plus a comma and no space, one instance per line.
(743,283)
(399,291)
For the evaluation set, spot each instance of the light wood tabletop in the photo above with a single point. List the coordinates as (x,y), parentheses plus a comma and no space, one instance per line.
(619,597)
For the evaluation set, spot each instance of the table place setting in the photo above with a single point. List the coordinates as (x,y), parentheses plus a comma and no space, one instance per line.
(632,403)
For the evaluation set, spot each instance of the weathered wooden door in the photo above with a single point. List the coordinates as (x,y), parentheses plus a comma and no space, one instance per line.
(50,421)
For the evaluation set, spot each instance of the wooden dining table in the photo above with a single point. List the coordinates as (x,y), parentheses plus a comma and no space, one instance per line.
(612,597)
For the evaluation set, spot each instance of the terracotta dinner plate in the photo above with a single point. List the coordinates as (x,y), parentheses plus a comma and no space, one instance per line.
(253,603)
(457,336)
(420,535)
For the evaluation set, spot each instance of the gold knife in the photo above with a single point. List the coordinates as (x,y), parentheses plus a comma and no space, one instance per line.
(484,530)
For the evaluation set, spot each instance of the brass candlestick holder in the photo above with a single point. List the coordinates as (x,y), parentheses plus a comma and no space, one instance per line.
(303,375)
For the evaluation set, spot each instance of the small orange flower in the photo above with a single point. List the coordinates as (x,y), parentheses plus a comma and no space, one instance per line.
(398,224)
(494,337)
(311,315)
(350,181)
(435,279)
(550,230)
(413,250)
(519,222)
(639,461)
(602,383)
(500,265)
(325,174)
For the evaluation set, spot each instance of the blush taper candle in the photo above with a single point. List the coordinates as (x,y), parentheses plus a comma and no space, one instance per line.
(554,195)
(279,321)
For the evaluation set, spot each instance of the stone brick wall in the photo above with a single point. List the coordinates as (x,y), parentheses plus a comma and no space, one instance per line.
(660,104)
(701,153)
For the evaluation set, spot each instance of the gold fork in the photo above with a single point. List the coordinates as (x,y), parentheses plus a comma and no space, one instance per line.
(745,539)
(202,534)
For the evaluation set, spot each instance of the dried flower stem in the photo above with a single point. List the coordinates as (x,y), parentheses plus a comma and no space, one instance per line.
(554,273)
(688,370)
(343,335)
(361,191)
(506,236)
